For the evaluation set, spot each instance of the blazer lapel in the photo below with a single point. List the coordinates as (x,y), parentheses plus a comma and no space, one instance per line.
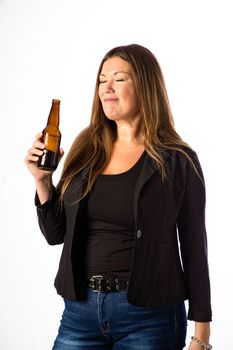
(73,195)
(149,168)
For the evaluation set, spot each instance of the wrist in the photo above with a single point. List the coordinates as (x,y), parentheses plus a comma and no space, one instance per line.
(44,189)
(45,182)
(202,331)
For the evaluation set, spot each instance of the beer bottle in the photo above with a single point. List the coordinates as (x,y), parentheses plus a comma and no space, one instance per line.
(51,138)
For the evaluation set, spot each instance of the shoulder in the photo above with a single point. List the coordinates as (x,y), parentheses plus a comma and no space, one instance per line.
(183,155)
(184,162)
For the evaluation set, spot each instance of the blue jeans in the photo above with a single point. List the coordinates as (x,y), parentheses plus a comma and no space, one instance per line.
(107,321)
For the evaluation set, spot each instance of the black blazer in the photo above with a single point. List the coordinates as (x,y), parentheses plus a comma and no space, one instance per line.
(169,261)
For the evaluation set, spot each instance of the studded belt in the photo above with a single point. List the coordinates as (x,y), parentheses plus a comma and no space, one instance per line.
(101,284)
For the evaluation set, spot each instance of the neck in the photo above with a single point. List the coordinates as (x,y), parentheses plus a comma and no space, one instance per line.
(128,132)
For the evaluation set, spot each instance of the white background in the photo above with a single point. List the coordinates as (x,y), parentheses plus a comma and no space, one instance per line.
(52,49)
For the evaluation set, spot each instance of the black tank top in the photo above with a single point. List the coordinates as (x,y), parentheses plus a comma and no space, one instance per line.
(111,224)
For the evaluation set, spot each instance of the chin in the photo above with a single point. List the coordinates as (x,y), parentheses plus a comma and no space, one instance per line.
(111,117)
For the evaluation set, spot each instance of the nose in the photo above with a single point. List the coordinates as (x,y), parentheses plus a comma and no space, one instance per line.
(109,86)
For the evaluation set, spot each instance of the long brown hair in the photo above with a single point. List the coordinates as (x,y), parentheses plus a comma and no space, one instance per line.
(93,146)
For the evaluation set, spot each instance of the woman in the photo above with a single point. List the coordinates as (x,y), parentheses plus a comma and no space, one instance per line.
(130,190)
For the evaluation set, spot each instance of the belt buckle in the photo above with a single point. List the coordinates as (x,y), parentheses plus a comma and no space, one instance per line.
(98,279)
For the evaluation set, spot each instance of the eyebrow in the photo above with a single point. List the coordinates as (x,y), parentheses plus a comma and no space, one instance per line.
(115,73)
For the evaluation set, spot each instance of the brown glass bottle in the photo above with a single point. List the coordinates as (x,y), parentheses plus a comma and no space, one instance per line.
(51,138)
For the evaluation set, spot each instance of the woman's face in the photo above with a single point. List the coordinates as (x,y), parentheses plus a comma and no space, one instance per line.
(116,90)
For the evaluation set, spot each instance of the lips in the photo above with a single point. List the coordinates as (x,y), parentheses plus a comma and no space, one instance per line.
(110,99)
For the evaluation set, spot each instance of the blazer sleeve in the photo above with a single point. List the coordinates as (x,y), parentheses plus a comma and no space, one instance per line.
(193,243)
(51,218)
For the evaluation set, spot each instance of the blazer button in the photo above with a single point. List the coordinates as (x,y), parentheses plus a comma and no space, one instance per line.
(139,233)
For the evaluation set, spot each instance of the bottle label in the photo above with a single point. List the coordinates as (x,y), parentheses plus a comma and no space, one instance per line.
(52,143)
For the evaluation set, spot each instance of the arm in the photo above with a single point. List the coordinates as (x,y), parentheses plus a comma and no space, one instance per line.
(193,244)
(44,189)
(51,219)
(202,332)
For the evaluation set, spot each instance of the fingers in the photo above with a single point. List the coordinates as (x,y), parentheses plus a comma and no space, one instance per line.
(36,150)
(39,136)
(31,158)
(38,145)
(61,154)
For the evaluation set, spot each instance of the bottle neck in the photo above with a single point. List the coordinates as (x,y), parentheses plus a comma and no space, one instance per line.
(54,117)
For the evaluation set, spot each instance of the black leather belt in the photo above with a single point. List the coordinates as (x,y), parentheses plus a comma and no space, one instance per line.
(101,284)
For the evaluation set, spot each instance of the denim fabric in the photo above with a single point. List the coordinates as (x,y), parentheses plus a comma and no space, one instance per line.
(107,321)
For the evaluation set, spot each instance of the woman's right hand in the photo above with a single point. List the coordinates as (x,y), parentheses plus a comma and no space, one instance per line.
(32,157)
(43,178)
